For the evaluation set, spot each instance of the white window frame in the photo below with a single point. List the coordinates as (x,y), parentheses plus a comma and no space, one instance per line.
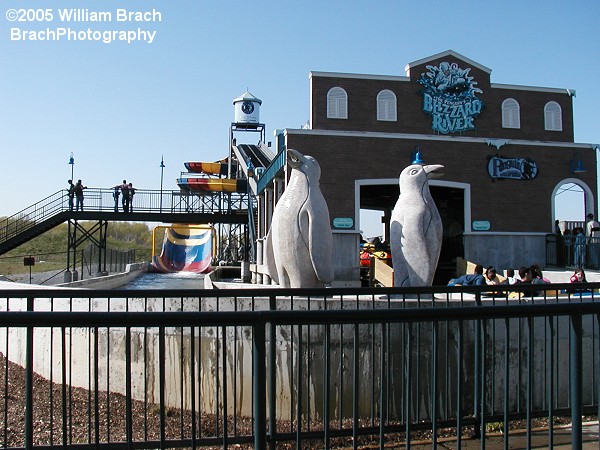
(511,113)
(552,116)
(387,106)
(337,103)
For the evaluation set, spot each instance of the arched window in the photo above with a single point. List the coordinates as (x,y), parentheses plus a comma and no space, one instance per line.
(511,114)
(386,106)
(553,116)
(337,103)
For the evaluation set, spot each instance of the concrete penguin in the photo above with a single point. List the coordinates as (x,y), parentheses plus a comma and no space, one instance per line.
(299,246)
(415,228)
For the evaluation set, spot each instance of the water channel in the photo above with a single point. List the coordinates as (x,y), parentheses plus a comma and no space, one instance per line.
(178,280)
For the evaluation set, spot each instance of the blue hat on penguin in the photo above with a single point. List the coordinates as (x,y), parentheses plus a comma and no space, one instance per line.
(417,158)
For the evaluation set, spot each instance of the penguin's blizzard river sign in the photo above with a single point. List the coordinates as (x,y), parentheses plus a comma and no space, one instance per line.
(449,97)
(512,168)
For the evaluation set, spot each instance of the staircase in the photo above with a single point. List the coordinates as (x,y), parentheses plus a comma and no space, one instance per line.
(33,221)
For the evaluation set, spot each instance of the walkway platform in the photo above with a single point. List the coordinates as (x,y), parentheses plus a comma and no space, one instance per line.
(99,205)
(518,440)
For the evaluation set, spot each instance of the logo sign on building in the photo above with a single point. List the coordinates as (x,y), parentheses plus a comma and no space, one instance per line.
(449,97)
(512,168)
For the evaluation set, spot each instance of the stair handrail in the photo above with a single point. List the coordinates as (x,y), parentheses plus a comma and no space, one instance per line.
(28,217)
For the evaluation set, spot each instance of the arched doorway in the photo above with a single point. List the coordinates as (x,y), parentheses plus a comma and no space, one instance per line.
(572,200)
(376,198)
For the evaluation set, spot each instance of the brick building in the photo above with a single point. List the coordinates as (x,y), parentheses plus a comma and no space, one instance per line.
(506,150)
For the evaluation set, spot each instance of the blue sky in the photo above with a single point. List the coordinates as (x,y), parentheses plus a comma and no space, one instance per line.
(118,107)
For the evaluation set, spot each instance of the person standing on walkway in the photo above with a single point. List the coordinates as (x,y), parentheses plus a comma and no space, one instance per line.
(580,247)
(71,194)
(79,187)
(131,192)
(125,196)
(592,229)
(116,194)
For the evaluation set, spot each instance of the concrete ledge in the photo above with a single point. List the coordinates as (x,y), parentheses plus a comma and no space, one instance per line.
(222,273)
(229,277)
(132,271)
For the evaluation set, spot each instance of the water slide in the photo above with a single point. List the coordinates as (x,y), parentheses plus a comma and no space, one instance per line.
(185,248)
(208,184)
(202,185)
(213,181)
(214,168)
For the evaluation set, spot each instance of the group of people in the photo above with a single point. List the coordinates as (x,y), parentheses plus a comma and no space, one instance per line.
(479,277)
(530,275)
(124,190)
(75,193)
(582,243)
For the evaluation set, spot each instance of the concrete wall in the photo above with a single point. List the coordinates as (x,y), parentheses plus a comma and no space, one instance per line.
(344,259)
(505,250)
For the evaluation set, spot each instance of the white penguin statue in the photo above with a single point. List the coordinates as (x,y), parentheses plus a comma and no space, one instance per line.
(299,246)
(415,228)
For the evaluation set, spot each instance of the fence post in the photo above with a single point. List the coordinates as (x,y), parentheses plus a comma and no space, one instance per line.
(258,385)
(272,372)
(28,381)
(575,372)
(477,379)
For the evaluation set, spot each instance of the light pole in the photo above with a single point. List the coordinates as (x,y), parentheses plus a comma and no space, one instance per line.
(162,169)
(72,162)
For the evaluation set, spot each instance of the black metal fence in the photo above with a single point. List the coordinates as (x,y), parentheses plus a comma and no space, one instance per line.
(92,260)
(275,368)
(573,251)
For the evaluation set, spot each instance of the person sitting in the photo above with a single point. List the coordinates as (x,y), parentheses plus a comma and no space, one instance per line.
(491,276)
(578,276)
(474,279)
(537,275)
(526,276)
(510,277)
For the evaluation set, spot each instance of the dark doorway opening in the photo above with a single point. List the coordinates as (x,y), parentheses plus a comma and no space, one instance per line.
(450,202)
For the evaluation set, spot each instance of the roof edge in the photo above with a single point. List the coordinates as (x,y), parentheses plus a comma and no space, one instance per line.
(444,54)
(363,76)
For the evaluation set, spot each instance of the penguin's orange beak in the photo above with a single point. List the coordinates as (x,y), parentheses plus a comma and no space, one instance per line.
(433,170)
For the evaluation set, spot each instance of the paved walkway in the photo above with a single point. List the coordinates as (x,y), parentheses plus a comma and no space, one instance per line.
(518,440)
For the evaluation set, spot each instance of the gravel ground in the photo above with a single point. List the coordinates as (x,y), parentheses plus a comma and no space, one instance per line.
(80,413)
(81,407)
(47,278)
(81,427)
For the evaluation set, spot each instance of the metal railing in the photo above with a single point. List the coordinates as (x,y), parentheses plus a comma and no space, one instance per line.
(570,251)
(92,260)
(308,368)
(102,200)
(267,176)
